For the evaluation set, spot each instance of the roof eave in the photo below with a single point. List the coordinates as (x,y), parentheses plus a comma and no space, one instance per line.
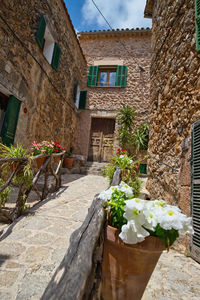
(115,32)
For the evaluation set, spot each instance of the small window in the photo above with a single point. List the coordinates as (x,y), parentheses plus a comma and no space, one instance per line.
(80,97)
(46,42)
(107,77)
(48,45)
(77,97)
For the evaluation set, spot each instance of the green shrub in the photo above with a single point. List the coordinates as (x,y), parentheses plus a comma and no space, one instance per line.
(108,171)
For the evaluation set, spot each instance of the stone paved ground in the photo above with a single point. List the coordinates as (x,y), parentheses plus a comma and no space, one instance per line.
(176,277)
(34,246)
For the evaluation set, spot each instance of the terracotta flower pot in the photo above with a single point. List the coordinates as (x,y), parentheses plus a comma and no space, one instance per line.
(68,162)
(13,166)
(40,161)
(126,269)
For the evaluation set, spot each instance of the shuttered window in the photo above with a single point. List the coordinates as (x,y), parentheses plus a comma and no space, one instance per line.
(41,31)
(195,190)
(46,42)
(197,16)
(56,57)
(103,76)
(82,99)
(10,121)
(143,168)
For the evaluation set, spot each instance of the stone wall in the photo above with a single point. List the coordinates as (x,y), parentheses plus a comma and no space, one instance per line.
(175,97)
(119,47)
(47,110)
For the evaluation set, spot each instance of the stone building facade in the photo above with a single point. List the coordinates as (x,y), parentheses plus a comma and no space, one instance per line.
(175,96)
(41,62)
(118,73)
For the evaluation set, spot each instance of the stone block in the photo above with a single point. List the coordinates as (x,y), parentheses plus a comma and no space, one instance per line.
(185,175)
(184,199)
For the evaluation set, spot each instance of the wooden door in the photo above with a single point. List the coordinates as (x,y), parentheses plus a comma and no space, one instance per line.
(101,140)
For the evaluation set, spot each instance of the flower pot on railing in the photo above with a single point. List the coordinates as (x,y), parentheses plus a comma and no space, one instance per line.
(14,166)
(127,268)
(40,161)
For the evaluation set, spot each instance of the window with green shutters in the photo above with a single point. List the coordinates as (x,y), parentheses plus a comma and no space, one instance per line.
(143,168)
(107,76)
(46,42)
(195,190)
(82,99)
(10,121)
(197,16)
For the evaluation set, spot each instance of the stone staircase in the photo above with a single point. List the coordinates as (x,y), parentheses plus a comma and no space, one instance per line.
(93,168)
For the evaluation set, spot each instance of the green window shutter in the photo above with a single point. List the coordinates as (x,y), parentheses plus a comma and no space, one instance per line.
(195,190)
(10,121)
(121,76)
(93,75)
(82,99)
(56,57)
(75,91)
(197,16)
(41,31)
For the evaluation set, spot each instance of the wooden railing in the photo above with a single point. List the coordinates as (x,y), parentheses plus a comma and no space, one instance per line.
(79,274)
(46,168)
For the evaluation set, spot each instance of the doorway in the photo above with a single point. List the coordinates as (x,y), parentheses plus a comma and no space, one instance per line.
(101,139)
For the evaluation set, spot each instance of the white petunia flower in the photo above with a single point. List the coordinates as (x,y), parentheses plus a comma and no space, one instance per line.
(187,227)
(134,210)
(126,189)
(107,194)
(133,233)
(171,218)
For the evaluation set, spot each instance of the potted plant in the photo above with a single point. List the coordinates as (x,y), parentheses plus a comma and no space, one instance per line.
(137,233)
(129,167)
(68,160)
(24,175)
(43,149)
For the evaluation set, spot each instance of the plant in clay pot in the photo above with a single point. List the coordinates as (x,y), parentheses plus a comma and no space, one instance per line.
(137,233)
(129,167)
(68,160)
(24,175)
(45,148)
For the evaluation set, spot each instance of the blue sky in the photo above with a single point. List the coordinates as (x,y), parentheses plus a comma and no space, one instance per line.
(119,13)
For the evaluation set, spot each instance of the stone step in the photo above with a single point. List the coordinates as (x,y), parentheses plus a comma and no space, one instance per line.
(94,168)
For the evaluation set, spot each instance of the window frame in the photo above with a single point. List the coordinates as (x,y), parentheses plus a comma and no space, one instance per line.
(121,75)
(108,70)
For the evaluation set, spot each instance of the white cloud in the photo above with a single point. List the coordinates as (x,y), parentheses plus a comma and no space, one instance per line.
(119,13)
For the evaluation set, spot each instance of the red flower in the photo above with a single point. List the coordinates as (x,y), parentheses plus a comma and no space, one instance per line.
(56,150)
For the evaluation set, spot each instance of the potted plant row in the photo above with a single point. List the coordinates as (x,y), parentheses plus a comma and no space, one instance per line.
(137,232)
(45,148)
